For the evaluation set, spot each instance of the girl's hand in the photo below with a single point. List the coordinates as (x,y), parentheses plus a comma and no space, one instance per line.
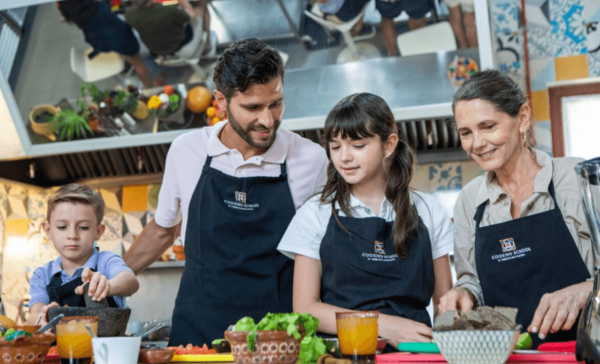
(458,299)
(559,310)
(401,330)
(99,287)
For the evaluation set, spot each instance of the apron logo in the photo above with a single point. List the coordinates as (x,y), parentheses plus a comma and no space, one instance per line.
(508,245)
(379,247)
(240,197)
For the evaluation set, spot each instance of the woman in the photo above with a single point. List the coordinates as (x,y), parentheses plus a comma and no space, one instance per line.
(521,237)
(104,31)
(368,242)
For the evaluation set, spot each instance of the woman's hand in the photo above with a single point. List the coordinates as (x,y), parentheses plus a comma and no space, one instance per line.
(399,329)
(559,310)
(458,299)
(99,287)
(44,313)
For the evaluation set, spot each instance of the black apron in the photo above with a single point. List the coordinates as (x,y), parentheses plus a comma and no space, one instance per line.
(361,270)
(520,260)
(64,294)
(233,268)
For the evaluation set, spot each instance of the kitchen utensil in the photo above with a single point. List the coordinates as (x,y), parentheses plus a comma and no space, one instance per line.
(112,321)
(50,324)
(116,350)
(357,333)
(89,302)
(156,356)
(149,328)
(429,348)
(588,332)
(476,346)
(89,329)
(561,347)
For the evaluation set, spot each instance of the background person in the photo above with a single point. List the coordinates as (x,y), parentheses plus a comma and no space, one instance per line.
(390,9)
(522,239)
(368,242)
(104,31)
(236,187)
(462,20)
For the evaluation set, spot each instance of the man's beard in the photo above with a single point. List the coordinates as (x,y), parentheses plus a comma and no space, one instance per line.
(245,133)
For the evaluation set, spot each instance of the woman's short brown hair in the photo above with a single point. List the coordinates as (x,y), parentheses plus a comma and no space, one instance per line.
(76,193)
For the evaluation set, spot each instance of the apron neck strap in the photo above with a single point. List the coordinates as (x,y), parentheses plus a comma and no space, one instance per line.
(284,168)
(481,208)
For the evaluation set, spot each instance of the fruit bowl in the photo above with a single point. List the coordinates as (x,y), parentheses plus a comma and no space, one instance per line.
(26,349)
(476,346)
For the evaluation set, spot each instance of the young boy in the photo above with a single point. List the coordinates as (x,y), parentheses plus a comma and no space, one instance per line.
(73,224)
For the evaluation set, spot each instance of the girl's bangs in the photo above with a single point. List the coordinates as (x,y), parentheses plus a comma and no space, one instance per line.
(347,121)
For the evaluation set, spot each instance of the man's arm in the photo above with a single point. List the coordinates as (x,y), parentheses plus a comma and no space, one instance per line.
(149,246)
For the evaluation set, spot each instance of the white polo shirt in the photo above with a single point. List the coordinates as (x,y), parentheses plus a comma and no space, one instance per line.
(308,227)
(306,165)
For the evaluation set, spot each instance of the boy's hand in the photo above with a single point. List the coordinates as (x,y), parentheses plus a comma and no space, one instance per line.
(44,313)
(99,287)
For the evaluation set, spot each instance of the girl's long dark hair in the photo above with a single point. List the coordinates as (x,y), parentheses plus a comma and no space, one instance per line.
(365,115)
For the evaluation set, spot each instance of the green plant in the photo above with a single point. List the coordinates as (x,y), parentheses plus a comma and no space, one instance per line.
(94,92)
(125,101)
(71,123)
(311,346)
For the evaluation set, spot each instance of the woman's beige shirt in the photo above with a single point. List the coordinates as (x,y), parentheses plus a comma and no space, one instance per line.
(485,189)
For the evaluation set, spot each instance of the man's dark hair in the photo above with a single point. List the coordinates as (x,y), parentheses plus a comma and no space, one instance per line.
(245,63)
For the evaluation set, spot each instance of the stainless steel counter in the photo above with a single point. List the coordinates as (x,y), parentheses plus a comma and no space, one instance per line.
(415,87)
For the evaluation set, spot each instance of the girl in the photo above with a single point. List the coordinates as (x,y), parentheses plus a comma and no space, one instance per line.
(368,242)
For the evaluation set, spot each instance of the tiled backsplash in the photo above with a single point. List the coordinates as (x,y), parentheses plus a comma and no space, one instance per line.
(563,40)
(24,246)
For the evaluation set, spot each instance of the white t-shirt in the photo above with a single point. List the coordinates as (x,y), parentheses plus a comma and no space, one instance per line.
(306,166)
(309,225)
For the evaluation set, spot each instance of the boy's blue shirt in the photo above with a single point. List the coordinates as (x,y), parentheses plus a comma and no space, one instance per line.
(109,264)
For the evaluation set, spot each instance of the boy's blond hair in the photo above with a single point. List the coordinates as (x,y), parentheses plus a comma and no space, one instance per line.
(76,193)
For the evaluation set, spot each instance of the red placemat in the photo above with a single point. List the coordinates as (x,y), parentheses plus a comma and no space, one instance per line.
(438,358)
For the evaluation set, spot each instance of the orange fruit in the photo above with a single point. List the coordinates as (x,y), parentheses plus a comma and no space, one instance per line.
(198,99)
(211,112)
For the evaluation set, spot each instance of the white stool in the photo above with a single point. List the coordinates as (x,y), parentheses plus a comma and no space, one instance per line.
(104,65)
(353,51)
(432,38)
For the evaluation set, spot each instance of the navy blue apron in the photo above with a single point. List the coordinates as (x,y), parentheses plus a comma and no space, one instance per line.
(518,261)
(361,270)
(233,268)
(64,294)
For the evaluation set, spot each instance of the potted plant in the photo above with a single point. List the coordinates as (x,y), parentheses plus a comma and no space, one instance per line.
(42,120)
(72,123)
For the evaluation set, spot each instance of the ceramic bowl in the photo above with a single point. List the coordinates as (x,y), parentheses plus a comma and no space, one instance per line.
(476,346)
(25,349)
(273,347)
(112,321)
(156,356)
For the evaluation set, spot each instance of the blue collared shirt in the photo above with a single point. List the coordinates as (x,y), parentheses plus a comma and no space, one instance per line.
(107,263)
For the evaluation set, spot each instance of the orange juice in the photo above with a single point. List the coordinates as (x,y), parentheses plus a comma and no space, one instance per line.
(74,341)
(357,334)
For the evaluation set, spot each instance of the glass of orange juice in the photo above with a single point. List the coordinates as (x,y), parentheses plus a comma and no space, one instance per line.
(73,340)
(357,333)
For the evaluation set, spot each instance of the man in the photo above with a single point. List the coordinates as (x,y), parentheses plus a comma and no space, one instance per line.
(237,186)
(167,30)
(390,9)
